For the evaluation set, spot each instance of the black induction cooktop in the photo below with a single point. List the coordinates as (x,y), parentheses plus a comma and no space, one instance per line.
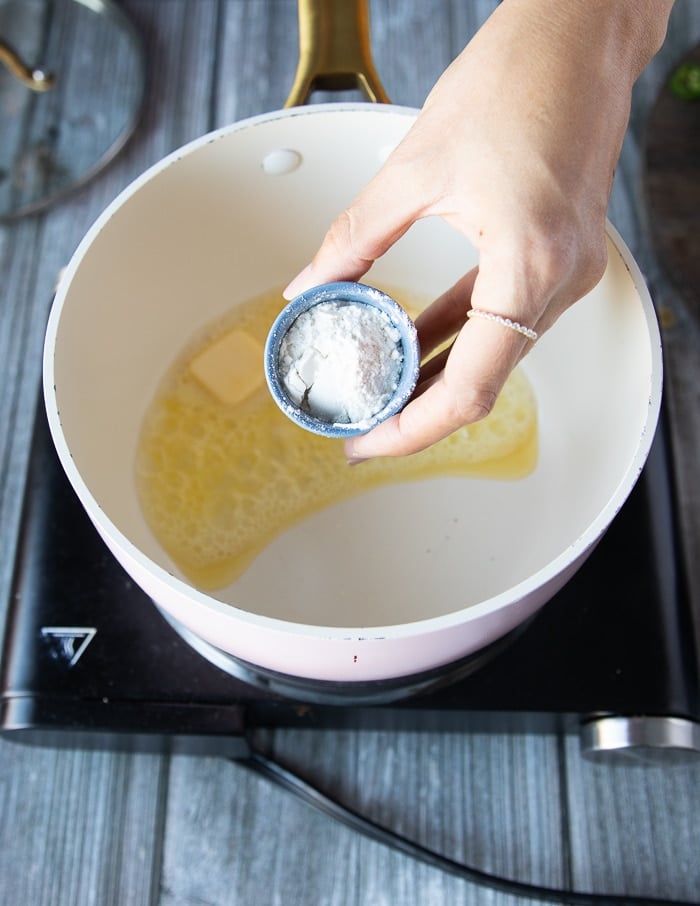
(89,660)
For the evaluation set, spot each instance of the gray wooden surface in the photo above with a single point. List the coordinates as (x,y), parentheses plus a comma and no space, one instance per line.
(106,828)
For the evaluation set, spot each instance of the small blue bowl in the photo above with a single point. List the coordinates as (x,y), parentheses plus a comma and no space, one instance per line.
(352,293)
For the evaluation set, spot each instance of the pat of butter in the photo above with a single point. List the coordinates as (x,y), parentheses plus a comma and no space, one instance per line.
(231,368)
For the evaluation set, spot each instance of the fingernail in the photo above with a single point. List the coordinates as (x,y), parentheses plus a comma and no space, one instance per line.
(301,282)
(356,460)
(351,458)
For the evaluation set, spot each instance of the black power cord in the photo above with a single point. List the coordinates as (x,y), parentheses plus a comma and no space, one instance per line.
(265,767)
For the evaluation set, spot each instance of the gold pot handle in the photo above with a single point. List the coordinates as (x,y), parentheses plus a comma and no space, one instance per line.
(334,51)
(36,79)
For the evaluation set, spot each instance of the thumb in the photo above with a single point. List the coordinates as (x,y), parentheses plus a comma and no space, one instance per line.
(363,232)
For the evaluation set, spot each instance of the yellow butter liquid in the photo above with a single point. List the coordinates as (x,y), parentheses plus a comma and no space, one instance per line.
(217,482)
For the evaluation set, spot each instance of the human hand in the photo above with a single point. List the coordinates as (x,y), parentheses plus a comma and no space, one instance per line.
(515,147)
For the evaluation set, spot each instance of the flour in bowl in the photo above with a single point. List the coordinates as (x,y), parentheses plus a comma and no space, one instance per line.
(341,361)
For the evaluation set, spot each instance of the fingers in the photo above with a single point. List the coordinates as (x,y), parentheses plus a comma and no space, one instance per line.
(482,356)
(457,385)
(446,315)
(374,221)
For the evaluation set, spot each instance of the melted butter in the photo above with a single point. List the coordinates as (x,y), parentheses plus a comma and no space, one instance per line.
(218,482)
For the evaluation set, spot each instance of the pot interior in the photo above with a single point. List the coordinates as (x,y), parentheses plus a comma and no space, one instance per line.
(236,215)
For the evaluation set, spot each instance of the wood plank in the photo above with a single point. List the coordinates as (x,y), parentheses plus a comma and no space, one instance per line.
(634,828)
(411,44)
(672,183)
(78,827)
(258,52)
(487,799)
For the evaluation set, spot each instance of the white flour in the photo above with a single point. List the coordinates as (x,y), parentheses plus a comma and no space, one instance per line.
(341,361)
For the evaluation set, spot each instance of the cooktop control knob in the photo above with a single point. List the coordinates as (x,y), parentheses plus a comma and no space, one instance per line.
(643,739)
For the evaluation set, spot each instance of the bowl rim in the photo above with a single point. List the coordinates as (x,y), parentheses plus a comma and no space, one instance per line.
(350,292)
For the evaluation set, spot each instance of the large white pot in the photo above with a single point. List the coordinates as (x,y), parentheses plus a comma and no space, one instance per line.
(212,225)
